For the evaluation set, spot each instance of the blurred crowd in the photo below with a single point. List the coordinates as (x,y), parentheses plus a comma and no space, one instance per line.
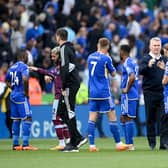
(31,24)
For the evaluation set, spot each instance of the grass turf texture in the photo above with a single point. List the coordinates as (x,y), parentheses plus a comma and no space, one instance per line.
(107,157)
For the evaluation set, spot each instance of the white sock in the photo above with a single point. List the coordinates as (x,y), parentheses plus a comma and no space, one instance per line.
(119,143)
(61,142)
(92,146)
(67,140)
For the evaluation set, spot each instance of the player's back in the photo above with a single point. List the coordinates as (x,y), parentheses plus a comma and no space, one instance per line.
(99,65)
(15,77)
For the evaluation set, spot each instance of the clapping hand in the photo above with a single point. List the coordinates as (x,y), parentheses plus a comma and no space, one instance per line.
(161,65)
(151,62)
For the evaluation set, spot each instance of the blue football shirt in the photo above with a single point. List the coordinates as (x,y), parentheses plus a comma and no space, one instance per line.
(99,66)
(166,74)
(128,68)
(15,77)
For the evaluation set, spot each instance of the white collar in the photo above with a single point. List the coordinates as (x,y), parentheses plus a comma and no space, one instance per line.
(157,57)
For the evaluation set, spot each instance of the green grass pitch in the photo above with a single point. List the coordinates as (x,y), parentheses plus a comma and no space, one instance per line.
(107,157)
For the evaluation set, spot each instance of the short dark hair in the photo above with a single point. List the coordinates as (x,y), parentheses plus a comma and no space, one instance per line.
(62,33)
(125,48)
(21,54)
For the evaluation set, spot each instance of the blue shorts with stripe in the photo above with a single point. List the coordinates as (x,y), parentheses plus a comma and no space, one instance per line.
(20,110)
(128,107)
(102,106)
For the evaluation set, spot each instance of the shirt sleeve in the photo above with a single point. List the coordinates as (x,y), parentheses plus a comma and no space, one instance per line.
(64,52)
(25,71)
(129,68)
(110,65)
(45,72)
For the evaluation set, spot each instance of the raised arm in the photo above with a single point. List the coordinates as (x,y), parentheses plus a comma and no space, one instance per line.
(42,71)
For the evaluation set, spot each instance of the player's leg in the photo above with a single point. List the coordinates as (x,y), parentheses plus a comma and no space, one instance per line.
(58,127)
(129,120)
(26,115)
(16,134)
(91,124)
(15,126)
(128,109)
(26,126)
(114,126)
(124,111)
(99,126)
(109,107)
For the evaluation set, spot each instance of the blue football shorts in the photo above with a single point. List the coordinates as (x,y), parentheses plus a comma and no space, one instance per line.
(128,107)
(20,110)
(101,106)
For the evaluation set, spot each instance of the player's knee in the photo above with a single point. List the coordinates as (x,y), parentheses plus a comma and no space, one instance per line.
(16,126)
(93,116)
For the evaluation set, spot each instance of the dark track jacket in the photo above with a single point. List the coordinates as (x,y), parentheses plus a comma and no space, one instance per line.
(69,72)
(152,77)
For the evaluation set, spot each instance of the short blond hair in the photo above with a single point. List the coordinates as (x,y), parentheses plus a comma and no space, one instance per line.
(55,50)
(104,42)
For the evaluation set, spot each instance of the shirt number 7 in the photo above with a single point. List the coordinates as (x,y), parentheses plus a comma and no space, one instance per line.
(93,67)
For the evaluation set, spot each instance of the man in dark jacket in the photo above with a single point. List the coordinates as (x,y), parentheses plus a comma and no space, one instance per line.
(153,89)
(70,85)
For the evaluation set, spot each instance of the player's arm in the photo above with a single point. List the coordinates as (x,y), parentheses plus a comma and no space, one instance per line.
(26,86)
(131,80)
(113,73)
(42,71)
(25,78)
(165,80)
(111,67)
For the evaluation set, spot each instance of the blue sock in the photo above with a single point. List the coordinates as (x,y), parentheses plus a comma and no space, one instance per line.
(91,132)
(26,132)
(115,131)
(130,131)
(16,132)
(125,133)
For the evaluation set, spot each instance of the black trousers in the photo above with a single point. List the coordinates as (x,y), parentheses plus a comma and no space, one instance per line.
(154,107)
(66,110)
(9,122)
